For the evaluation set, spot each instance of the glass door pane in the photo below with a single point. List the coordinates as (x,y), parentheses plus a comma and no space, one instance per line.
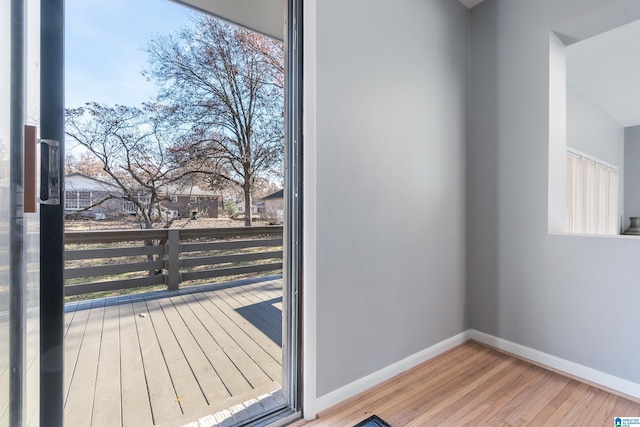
(32,224)
(19,231)
(5,81)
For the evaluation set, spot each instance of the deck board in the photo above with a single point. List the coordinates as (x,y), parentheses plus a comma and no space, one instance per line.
(136,408)
(262,307)
(255,346)
(161,391)
(212,389)
(72,342)
(155,358)
(188,391)
(79,402)
(214,320)
(106,403)
(243,322)
(235,383)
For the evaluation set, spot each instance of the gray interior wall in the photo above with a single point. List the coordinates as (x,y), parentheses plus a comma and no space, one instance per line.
(591,130)
(569,296)
(390,182)
(631,174)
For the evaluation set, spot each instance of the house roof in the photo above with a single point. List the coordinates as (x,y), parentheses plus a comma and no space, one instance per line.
(277,195)
(79,181)
(188,190)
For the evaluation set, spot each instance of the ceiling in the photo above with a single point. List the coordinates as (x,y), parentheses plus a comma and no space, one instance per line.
(262,16)
(606,68)
(470,3)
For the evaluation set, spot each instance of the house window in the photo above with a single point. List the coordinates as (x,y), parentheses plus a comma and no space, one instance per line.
(77,200)
(129,207)
(174,199)
(592,195)
(193,199)
(143,201)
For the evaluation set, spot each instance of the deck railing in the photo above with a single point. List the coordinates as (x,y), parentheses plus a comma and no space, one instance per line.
(98,261)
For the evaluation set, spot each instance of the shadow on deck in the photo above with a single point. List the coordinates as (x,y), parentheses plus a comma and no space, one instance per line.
(169,358)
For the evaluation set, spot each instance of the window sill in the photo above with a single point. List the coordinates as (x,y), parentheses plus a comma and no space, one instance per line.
(605,236)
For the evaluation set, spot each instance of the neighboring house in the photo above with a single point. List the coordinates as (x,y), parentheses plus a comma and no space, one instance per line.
(274,206)
(190,199)
(257,207)
(90,197)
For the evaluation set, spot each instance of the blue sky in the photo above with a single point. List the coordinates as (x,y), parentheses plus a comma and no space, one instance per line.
(104,41)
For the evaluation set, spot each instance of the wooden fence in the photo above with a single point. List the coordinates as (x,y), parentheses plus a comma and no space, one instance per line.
(110,260)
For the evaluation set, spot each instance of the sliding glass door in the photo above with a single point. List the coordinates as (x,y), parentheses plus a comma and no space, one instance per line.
(19,224)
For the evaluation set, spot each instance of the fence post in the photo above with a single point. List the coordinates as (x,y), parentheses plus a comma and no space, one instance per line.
(173,260)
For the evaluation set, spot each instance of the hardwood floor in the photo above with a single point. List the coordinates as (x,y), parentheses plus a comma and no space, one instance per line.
(472,385)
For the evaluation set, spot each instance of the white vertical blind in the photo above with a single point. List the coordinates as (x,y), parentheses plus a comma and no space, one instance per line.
(592,195)
(613,201)
(574,181)
(603,199)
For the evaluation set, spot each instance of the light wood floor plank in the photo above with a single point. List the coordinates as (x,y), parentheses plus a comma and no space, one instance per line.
(481,387)
(485,403)
(540,388)
(453,390)
(623,408)
(590,415)
(413,388)
(441,412)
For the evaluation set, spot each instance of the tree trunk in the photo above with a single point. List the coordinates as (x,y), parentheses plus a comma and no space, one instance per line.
(247,204)
(148,225)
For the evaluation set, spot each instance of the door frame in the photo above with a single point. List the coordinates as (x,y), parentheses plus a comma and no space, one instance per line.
(52,217)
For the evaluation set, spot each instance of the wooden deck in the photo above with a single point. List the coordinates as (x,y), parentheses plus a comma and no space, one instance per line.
(169,358)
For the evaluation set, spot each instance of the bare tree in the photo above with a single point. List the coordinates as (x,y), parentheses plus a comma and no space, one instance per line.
(263,187)
(86,164)
(218,81)
(138,151)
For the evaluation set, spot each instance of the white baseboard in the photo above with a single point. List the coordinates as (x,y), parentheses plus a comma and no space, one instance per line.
(358,386)
(574,369)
